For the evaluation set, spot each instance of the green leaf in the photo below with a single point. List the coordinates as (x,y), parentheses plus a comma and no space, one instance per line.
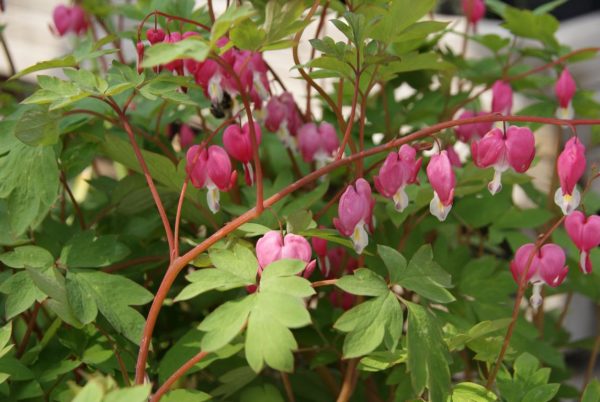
(363,282)
(370,323)
(592,392)
(114,294)
(492,41)
(38,126)
(471,392)
(22,293)
(546,8)
(298,221)
(239,261)
(542,393)
(527,24)
(27,257)
(401,14)
(428,355)
(92,392)
(285,267)
(28,183)
(56,92)
(192,47)
(264,393)
(67,61)
(393,261)
(232,16)
(247,35)
(86,250)
(425,277)
(225,322)
(523,218)
(138,393)
(186,395)
(81,299)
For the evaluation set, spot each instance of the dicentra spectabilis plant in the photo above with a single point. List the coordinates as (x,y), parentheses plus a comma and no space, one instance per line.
(181,221)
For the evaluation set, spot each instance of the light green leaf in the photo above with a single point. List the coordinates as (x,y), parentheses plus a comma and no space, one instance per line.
(370,323)
(527,24)
(186,395)
(285,267)
(192,47)
(471,392)
(363,282)
(138,393)
(225,322)
(592,392)
(38,126)
(67,61)
(232,16)
(239,261)
(428,355)
(27,257)
(393,261)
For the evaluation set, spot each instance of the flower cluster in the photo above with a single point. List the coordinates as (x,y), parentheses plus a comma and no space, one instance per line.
(70,19)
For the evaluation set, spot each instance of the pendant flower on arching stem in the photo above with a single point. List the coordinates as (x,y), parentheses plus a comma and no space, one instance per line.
(398,170)
(273,247)
(585,234)
(442,179)
(211,169)
(570,166)
(238,144)
(355,214)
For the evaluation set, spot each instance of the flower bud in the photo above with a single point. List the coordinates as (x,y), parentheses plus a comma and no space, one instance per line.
(186,136)
(585,233)
(139,47)
(565,90)
(466,132)
(516,149)
(570,165)
(442,179)
(502,97)
(273,247)
(211,169)
(547,266)
(155,35)
(474,10)
(398,170)
(355,214)
(317,143)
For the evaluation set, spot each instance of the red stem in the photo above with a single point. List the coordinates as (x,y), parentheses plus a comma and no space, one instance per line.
(176,375)
(181,262)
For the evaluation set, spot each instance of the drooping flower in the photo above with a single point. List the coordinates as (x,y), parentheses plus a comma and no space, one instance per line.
(502,97)
(155,35)
(211,169)
(69,19)
(317,143)
(398,170)
(252,70)
(186,136)
(355,214)
(570,166)
(585,233)
(516,149)
(442,179)
(238,144)
(283,118)
(453,156)
(474,10)
(547,267)
(273,247)
(565,90)
(466,132)
(139,48)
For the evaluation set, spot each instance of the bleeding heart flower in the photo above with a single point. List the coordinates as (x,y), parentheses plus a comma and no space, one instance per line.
(585,233)
(186,136)
(547,266)
(211,169)
(474,10)
(238,144)
(69,19)
(355,214)
(317,143)
(466,132)
(516,149)
(565,90)
(442,179)
(398,170)
(502,97)
(139,47)
(155,35)
(283,118)
(339,263)
(273,247)
(453,156)
(570,165)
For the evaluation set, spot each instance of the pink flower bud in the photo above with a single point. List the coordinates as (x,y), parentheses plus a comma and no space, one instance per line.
(501,152)
(547,266)
(565,88)
(69,19)
(317,143)
(442,179)
(155,35)
(502,97)
(283,118)
(273,247)
(585,233)
(453,156)
(570,165)
(466,132)
(355,214)
(139,47)
(238,144)
(186,136)
(474,10)
(211,169)
(398,170)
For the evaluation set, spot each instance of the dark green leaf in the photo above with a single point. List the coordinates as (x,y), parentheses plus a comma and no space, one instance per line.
(363,282)
(86,250)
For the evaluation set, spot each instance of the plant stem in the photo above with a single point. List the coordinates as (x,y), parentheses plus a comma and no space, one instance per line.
(312,56)
(63,180)
(287,385)
(29,330)
(11,64)
(176,375)
(181,262)
(348,384)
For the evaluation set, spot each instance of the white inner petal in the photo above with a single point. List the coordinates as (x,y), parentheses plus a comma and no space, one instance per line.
(360,238)
(400,199)
(438,209)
